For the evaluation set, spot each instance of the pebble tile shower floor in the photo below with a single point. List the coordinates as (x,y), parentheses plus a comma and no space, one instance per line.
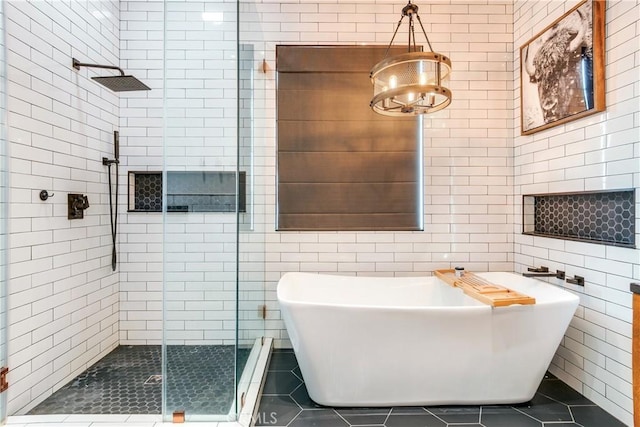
(285,403)
(128,381)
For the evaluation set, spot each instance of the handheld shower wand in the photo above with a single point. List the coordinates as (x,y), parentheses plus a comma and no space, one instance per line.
(113,213)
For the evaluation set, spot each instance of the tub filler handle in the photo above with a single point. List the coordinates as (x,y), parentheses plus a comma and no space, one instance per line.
(577,280)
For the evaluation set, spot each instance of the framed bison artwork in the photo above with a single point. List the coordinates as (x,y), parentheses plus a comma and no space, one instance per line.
(562,69)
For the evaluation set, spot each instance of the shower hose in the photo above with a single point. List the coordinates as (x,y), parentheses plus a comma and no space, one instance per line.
(113,213)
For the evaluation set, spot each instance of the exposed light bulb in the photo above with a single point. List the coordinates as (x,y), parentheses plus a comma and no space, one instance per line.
(411,96)
(393,81)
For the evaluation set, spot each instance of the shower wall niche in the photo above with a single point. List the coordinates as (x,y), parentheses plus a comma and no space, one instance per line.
(605,217)
(187,191)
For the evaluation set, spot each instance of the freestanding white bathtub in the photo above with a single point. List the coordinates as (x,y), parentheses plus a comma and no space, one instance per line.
(363,341)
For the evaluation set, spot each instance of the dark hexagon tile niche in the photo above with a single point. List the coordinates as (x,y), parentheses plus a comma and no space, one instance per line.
(554,405)
(606,217)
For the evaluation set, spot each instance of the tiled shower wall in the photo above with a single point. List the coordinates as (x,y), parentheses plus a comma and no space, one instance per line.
(140,263)
(601,152)
(200,247)
(63,296)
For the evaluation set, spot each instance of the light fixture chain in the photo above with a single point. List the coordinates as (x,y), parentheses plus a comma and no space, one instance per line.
(394,36)
(423,32)
(412,34)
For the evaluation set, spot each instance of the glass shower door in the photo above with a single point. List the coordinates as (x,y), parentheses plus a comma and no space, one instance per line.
(252,310)
(199,212)
(207,213)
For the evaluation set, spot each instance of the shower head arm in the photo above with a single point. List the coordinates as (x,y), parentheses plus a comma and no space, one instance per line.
(77,64)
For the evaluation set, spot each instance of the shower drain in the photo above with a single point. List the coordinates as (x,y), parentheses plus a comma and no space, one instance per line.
(154,379)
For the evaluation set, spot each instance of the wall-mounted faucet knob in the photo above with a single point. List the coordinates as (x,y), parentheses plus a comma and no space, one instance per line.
(76,204)
(541,269)
(577,280)
(559,274)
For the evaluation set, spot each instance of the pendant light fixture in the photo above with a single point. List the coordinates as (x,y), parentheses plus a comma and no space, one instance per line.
(412,82)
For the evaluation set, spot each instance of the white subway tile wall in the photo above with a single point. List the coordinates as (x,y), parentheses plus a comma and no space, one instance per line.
(463,159)
(200,248)
(468,206)
(467,147)
(141,123)
(67,309)
(600,152)
(63,296)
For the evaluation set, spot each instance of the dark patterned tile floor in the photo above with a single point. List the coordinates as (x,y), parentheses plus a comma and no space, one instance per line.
(200,380)
(286,403)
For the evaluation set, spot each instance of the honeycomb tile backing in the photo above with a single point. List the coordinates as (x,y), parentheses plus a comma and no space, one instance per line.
(607,217)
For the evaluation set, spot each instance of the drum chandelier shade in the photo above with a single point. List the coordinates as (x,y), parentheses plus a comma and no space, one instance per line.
(413,82)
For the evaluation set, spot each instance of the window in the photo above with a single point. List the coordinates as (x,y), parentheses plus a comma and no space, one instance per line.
(340,165)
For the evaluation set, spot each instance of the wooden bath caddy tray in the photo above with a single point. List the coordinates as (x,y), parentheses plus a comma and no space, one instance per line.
(482,290)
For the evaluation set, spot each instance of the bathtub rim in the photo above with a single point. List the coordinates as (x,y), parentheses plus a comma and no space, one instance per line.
(474,304)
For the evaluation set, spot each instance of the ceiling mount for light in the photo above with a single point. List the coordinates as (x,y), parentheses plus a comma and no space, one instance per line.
(412,82)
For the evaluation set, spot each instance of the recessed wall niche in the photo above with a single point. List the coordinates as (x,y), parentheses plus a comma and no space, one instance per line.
(145,191)
(196,191)
(605,217)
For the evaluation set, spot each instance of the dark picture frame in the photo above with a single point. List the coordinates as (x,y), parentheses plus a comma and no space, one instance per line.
(562,69)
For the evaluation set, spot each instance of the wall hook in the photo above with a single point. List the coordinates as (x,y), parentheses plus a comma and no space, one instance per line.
(265,66)
(44,195)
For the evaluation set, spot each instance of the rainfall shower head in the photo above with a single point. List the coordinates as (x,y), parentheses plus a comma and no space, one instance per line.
(119,83)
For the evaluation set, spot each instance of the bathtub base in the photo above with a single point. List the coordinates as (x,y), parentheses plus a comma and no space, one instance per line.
(443,377)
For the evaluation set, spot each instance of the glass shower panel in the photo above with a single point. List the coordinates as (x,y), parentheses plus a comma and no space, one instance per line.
(3,218)
(256,149)
(202,194)
(251,222)
(213,214)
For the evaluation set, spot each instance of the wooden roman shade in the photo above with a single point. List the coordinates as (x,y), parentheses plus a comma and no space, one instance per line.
(340,165)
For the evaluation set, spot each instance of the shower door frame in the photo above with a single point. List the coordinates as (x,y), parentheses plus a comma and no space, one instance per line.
(4,177)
